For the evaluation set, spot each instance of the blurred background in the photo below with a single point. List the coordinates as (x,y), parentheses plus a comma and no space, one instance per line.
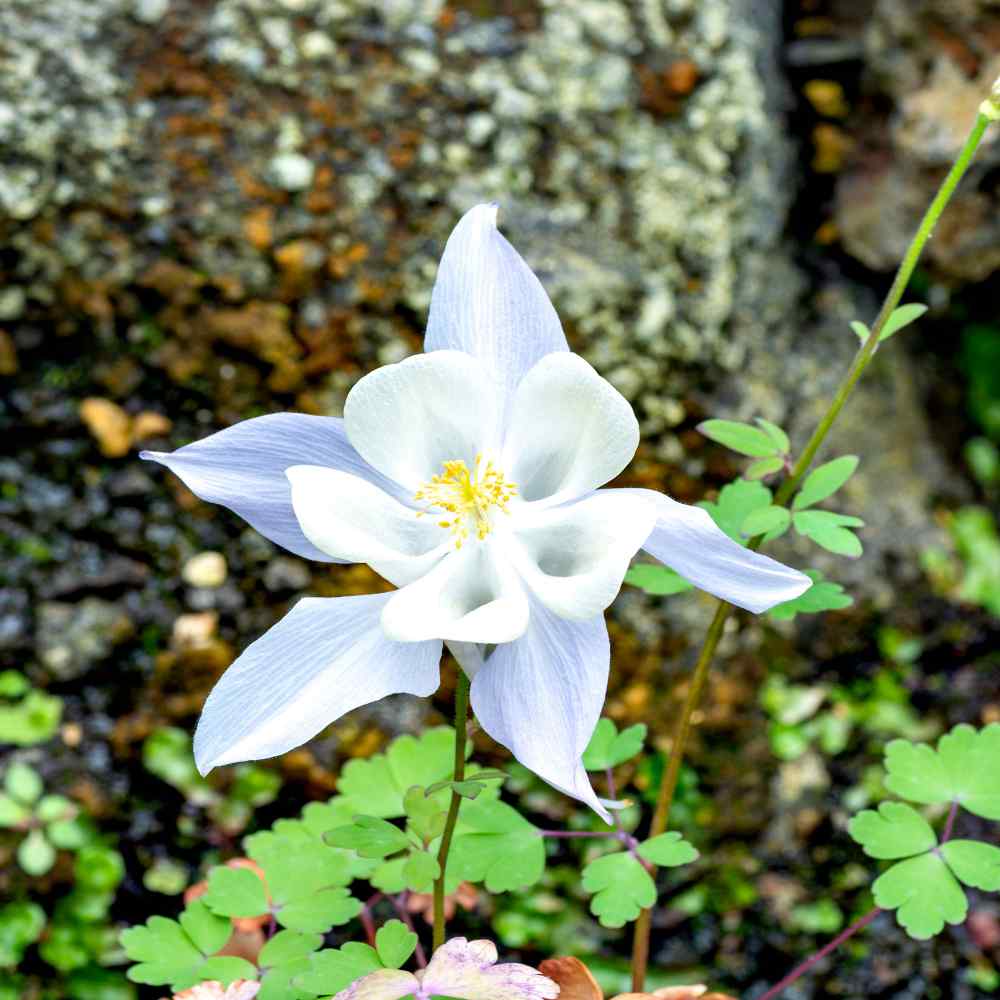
(213,210)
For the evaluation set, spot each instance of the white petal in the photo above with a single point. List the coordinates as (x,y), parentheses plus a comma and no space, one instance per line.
(352,520)
(467,969)
(243,468)
(472,595)
(575,557)
(687,540)
(326,657)
(570,431)
(541,697)
(488,303)
(409,418)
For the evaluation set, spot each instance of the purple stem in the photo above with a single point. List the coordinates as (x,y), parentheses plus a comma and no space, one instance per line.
(579,833)
(950,823)
(799,971)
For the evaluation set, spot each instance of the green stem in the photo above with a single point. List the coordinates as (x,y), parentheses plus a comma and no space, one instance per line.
(458,773)
(668,784)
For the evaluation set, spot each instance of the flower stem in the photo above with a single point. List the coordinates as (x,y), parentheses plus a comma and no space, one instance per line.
(668,784)
(458,773)
(800,970)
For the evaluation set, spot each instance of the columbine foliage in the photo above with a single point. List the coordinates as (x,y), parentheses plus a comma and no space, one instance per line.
(924,885)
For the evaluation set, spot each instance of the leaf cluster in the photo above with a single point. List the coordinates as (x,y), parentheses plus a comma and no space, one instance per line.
(924,885)
(27,714)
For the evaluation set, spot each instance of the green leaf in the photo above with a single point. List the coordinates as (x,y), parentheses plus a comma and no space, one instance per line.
(420,870)
(21,925)
(743,438)
(609,748)
(823,595)
(395,943)
(370,836)
(23,783)
(332,969)
(621,887)
(235,892)
(425,816)
(764,467)
(965,768)
(70,834)
(54,807)
(389,877)
(668,850)
(168,754)
(287,946)
(734,504)
(98,868)
(35,854)
(974,863)
(825,480)
(12,813)
(861,330)
(33,719)
(776,434)
(497,846)
(901,317)
(924,894)
(657,580)
(766,521)
(895,831)
(377,785)
(829,530)
(317,912)
(177,954)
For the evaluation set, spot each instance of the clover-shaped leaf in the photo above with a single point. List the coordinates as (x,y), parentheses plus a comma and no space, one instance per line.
(924,894)
(496,845)
(332,969)
(23,783)
(734,504)
(394,943)
(425,815)
(302,884)
(965,768)
(823,595)
(621,887)
(895,831)
(974,863)
(608,747)
(370,836)
(771,521)
(283,959)
(378,784)
(668,850)
(179,953)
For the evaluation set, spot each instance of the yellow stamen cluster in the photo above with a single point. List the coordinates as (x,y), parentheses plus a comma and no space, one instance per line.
(467,496)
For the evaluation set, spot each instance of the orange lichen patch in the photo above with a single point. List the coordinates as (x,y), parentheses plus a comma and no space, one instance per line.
(341,264)
(176,283)
(831,146)
(827,97)
(8,354)
(662,91)
(149,424)
(258,227)
(109,425)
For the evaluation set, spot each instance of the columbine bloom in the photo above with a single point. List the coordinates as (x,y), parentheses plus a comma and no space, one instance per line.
(469,477)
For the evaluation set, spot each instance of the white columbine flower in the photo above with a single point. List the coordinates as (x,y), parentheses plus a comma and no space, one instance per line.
(469,477)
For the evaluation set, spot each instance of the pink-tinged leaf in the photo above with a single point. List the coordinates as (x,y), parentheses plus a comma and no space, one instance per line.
(241,989)
(459,968)
(467,969)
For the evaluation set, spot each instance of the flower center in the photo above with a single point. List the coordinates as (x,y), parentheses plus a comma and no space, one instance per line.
(467,498)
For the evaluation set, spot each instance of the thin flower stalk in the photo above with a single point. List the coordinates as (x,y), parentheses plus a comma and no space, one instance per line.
(668,784)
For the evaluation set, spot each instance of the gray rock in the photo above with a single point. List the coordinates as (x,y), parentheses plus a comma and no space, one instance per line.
(71,638)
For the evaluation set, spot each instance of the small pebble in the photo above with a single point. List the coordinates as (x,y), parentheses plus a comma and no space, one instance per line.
(292,171)
(206,569)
